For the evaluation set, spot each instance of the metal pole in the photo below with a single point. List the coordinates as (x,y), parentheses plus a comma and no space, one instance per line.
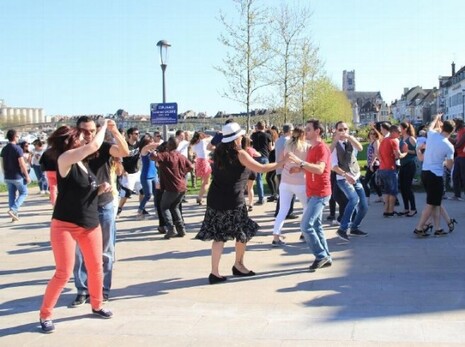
(165,127)
(463,104)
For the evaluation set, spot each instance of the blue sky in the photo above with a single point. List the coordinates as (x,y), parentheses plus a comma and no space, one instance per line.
(94,57)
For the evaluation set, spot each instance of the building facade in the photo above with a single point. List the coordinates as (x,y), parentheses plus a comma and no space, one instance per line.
(366,106)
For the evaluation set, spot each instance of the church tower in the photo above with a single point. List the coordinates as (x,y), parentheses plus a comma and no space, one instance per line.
(348,81)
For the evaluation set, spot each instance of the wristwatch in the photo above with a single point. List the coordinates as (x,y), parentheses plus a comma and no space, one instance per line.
(301,165)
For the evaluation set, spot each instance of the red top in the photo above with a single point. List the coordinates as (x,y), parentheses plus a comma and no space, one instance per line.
(319,185)
(386,153)
(459,151)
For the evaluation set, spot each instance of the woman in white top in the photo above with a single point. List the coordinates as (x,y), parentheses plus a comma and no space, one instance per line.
(199,143)
(292,181)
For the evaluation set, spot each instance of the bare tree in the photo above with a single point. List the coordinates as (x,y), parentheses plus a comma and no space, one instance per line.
(248,52)
(289,25)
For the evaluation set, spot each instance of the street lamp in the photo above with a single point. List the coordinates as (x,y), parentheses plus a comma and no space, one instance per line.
(463,104)
(163,44)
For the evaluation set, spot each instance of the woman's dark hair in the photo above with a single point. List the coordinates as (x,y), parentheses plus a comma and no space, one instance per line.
(409,127)
(195,138)
(146,139)
(225,155)
(63,139)
(24,146)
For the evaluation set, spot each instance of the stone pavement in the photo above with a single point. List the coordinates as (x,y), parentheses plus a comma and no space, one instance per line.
(388,289)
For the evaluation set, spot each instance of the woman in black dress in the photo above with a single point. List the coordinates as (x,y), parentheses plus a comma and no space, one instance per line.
(226,217)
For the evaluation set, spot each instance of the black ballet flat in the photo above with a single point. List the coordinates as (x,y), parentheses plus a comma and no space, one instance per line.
(236,272)
(212,279)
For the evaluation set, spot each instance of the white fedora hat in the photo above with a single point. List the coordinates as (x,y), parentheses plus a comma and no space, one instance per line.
(231,131)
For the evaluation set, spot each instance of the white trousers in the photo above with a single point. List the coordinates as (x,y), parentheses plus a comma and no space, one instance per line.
(286,191)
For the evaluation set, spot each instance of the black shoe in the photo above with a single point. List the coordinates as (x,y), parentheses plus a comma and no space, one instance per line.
(292,216)
(105,298)
(162,230)
(184,200)
(170,233)
(342,234)
(277,243)
(120,209)
(259,202)
(330,218)
(144,212)
(81,299)
(302,237)
(236,272)
(47,326)
(212,279)
(451,224)
(358,232)
(440,232)
(271,198)
(421,233)
(319,263)
(103,313)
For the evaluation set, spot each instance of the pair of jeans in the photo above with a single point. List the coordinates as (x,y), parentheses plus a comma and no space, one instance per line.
(312,228)
(148,187)
(41,180)
(63,237)
(260,190)
(170,205)
(357,202)
(14,203)
(108,227)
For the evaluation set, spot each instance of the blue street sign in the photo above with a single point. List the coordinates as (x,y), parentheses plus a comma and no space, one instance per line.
(162,114)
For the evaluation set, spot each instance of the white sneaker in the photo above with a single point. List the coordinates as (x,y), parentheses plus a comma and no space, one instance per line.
(335,222)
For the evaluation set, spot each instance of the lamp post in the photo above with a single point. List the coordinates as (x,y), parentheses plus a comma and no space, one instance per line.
(163,44)
(463,104)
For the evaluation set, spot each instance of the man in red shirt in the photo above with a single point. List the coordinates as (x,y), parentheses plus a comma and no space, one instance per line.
(458,177)
(317,169)
(388,154)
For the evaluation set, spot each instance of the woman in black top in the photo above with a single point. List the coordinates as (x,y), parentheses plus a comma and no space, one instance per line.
(226,217)
(75,219)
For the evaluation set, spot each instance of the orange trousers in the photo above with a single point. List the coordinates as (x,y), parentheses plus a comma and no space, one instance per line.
(52,185)
(64,236)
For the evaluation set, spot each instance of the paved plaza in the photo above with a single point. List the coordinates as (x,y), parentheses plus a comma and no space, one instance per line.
(388,289)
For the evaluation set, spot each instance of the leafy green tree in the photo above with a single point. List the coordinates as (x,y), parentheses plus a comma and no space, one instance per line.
(327,103)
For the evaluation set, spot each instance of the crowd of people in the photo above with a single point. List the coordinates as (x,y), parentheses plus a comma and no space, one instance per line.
(91,170)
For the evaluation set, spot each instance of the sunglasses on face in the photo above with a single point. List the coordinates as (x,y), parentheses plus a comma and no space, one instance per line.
(342,129)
